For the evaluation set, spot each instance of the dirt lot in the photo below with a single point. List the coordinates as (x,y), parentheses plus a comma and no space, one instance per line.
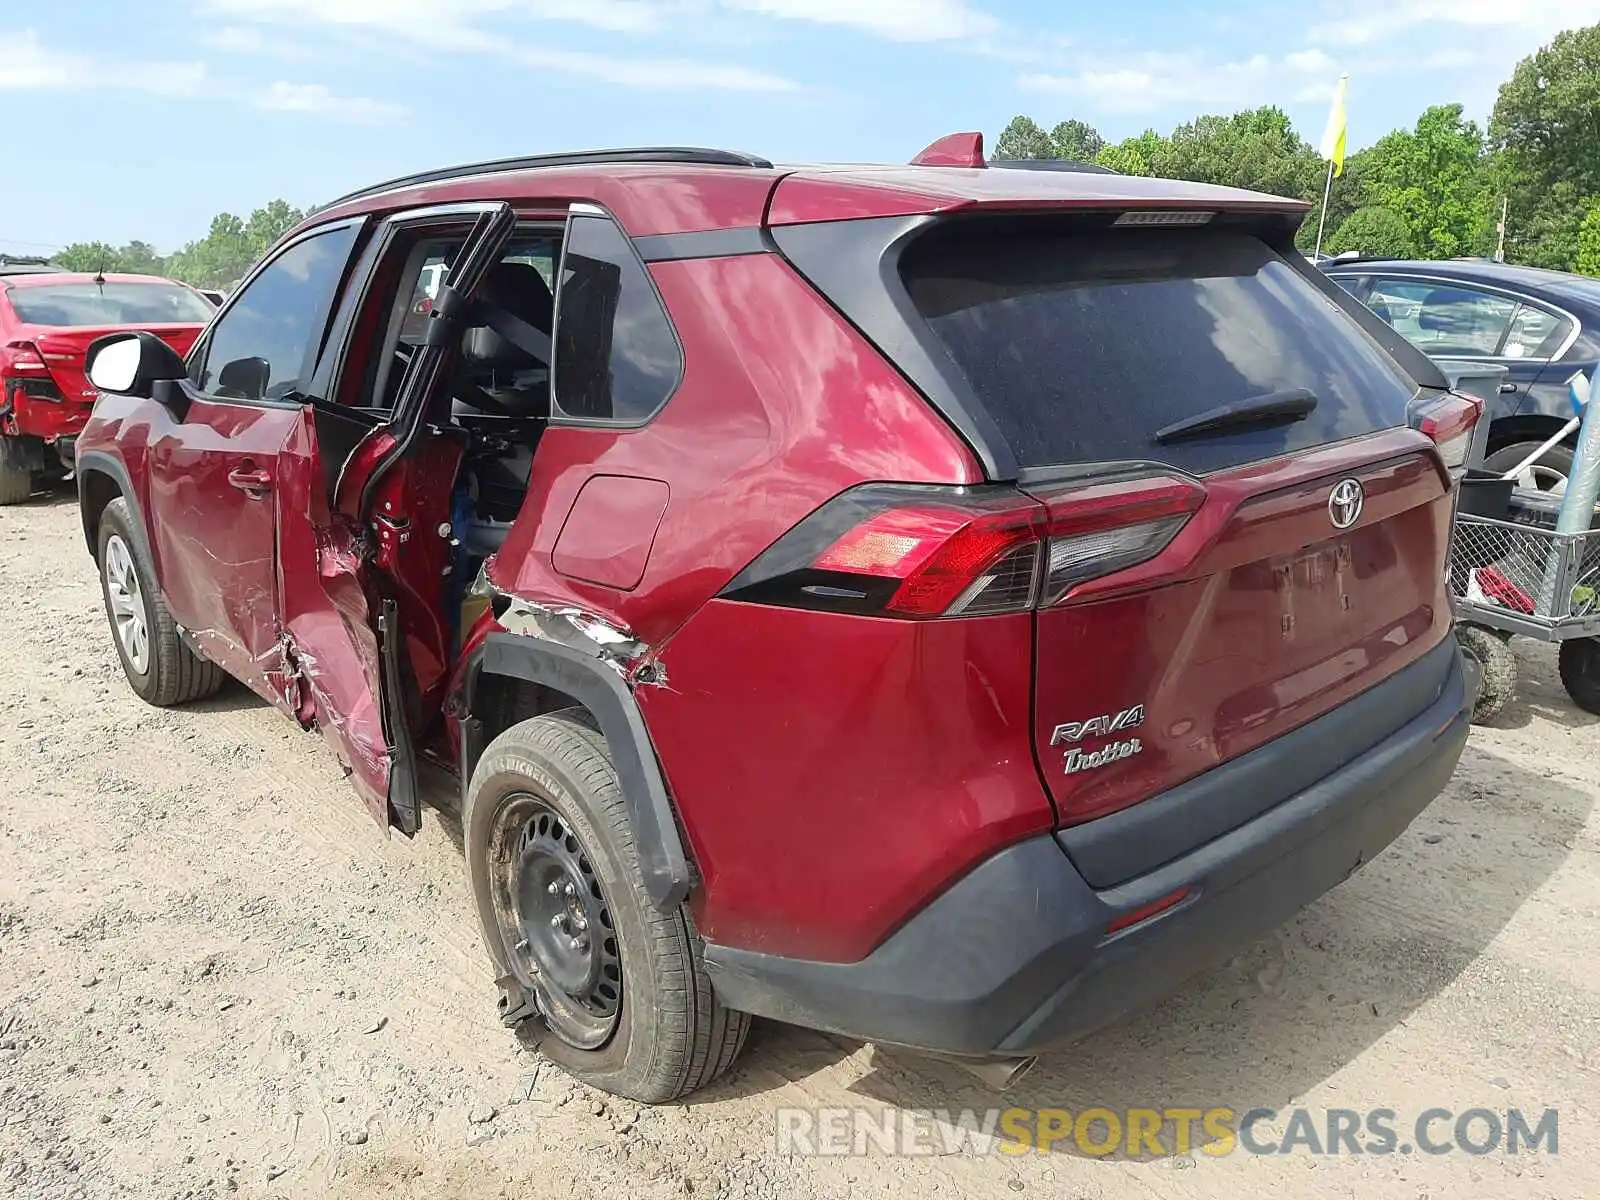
(218,976)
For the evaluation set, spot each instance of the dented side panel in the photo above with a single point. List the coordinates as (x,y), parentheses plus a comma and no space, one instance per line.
(214,538)
(330,648)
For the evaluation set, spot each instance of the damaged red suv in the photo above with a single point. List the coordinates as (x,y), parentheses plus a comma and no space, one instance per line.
(943,604)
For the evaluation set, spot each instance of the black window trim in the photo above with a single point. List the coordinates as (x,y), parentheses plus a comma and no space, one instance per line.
(584,208)
(353,298)
(1473,285)
(314,353)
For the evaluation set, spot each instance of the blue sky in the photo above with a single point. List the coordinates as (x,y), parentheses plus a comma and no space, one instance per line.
(141,120)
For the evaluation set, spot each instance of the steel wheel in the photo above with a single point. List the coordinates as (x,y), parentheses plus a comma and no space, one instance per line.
(555,922)
(128,609)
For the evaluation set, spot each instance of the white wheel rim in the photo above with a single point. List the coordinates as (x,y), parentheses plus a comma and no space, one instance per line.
(129,616)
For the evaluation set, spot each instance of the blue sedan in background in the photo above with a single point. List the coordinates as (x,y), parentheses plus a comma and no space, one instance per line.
(1542,326)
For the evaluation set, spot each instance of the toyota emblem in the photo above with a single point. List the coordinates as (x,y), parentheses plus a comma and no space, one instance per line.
(1344,503)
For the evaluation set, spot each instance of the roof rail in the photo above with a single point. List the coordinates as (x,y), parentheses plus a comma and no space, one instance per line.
(645,154)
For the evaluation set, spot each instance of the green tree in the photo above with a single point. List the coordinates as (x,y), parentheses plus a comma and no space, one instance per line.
(1076,140)
(270,222)
(1547,132)
(1373,230)
(1434,178)
(1588,255)
(140,258)
(1257,149)
(1133,156)
(217,259)
(1023,139)
(88,257)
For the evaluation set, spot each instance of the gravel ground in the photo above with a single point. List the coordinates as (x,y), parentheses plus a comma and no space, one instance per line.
(218,976)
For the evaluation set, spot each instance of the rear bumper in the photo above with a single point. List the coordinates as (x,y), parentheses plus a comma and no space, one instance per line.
(47,420)
(1014,957)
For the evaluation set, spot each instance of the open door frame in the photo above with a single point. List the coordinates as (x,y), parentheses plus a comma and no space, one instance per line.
(344,645)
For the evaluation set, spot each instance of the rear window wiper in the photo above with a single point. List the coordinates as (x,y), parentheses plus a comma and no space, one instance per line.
(1273,408)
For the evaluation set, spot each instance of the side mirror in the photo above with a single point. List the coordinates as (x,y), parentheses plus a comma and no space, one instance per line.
(130,364)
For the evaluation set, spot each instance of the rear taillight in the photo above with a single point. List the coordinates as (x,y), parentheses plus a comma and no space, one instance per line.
(23,373)
(1108,527)
(922,552)
(22,358)
(1449,420)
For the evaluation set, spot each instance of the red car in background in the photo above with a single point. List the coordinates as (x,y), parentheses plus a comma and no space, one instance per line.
(48,318)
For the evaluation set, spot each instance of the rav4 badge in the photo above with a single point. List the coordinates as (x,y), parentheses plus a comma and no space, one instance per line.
(1076,731)
(1078,759)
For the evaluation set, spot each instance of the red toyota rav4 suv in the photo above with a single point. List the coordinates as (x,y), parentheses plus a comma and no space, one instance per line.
(941,604)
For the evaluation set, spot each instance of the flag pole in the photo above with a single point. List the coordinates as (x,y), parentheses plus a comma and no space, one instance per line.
(1322,218)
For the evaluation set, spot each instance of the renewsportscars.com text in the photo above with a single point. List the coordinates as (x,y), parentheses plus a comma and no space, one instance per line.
(1157,1132)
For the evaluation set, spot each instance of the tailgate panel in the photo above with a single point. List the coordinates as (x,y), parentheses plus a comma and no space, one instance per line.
(1279,619)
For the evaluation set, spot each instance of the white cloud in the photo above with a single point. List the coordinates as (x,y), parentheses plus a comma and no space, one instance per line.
(1155,80)
(27,64)
(668,73)
(900,20)
(318,99)
(235,39)
(1530,21)
(428,24)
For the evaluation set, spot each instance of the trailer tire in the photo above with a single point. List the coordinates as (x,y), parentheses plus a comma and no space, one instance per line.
(1579,661)
(1489,656)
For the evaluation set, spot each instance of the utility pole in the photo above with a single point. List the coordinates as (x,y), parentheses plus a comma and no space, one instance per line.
(1500,249)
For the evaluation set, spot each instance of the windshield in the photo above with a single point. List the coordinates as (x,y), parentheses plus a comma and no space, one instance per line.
(70,304)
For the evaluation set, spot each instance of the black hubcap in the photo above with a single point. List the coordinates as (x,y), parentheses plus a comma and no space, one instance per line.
(555,918)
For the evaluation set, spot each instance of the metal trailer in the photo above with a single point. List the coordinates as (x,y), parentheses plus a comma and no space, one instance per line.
(1511,574)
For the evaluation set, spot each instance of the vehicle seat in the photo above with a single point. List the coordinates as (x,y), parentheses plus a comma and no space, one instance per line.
(514,378)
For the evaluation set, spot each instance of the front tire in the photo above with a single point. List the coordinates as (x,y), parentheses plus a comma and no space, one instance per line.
(159,665)
(624,998)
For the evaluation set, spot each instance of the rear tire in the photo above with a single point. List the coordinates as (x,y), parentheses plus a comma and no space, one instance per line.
(1579,662)
(626,1004)
(160,667)
(1490,656)
(16,479)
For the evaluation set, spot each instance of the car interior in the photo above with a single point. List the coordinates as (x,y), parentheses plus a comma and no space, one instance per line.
(492,402)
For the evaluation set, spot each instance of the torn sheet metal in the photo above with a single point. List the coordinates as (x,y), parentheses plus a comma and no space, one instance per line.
(576,629)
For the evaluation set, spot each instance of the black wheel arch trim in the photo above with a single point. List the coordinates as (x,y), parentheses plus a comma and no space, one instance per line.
(599,688)
(93,462)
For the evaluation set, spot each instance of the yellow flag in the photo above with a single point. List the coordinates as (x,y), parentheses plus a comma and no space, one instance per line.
(1333,137)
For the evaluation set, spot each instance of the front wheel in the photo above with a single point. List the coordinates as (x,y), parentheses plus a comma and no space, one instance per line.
(160,667)
(622,995)
(1579,662)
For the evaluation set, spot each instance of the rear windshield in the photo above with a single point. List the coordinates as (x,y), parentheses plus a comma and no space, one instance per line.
(1083,344)
(70,304)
